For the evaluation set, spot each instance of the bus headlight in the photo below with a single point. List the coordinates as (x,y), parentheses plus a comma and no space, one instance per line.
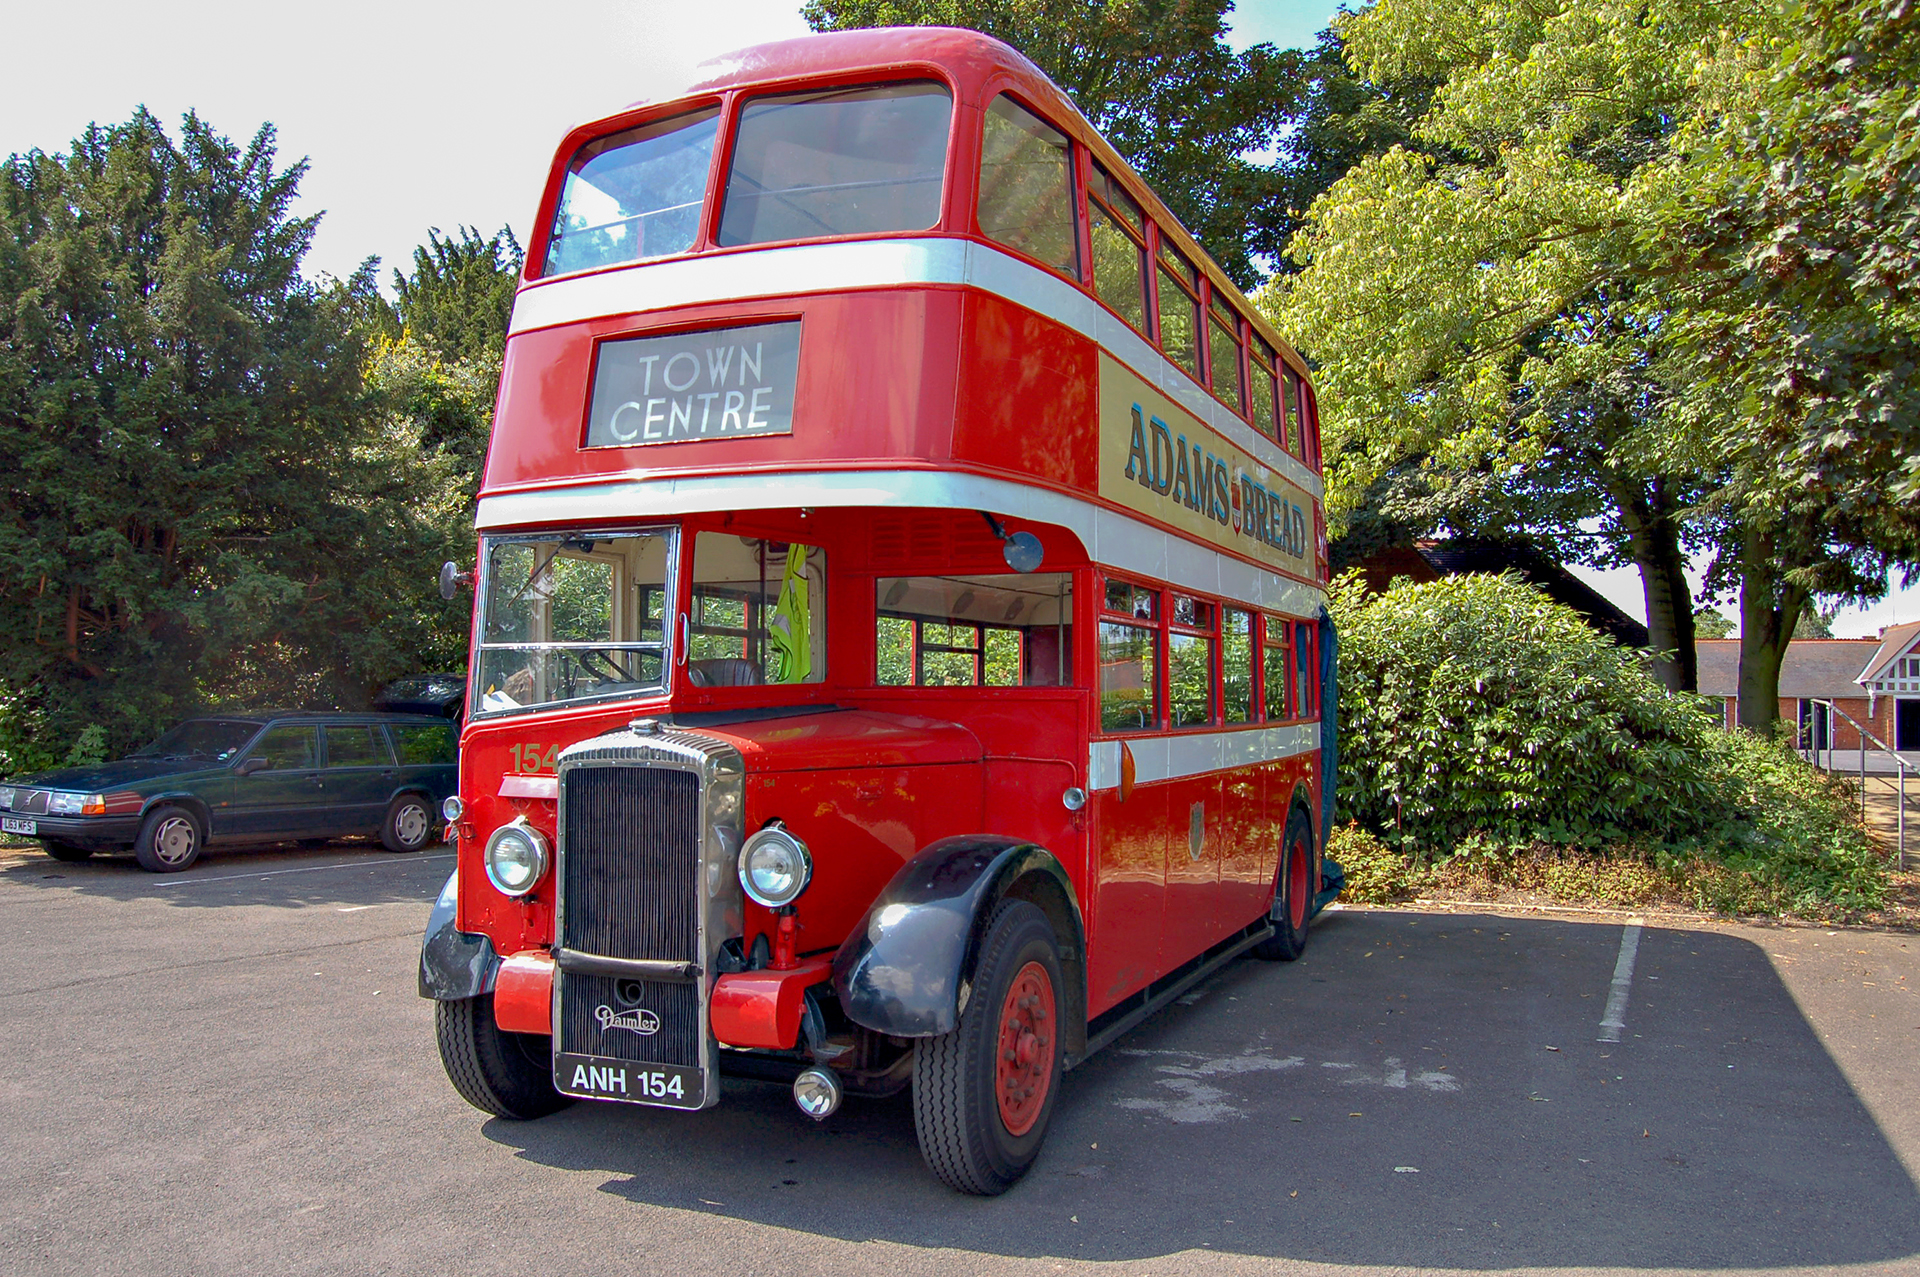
(451,807)
(775,867)
(516,857)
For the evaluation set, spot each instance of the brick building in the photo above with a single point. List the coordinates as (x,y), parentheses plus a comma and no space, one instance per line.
(1843,671)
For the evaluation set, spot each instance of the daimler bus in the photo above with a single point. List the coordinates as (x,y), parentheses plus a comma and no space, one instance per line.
(899,656)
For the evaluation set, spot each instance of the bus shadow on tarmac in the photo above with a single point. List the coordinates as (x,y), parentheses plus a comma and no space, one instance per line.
(1419,1090)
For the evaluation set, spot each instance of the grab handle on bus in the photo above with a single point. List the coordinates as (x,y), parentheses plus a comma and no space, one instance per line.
(681,642)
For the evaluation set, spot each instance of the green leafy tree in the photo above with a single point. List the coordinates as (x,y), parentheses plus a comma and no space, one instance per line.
(1784,241)
(200,509)
(1159,80)
(459,296)
(1569,289)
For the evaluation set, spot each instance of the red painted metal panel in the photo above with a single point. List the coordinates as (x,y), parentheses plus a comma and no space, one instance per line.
(762,1008)
(1029,395)
(1123,955)
(523,994)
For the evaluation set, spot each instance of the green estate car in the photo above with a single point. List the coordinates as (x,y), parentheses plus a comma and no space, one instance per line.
(240,778)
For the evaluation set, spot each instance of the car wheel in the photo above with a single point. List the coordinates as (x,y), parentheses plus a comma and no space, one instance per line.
(409,824)
(1293,889)
(169,840)
(505,1074)
(983,1094)
(66,851)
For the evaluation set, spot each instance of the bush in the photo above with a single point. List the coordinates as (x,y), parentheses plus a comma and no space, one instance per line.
(1489,728)
(1376,873)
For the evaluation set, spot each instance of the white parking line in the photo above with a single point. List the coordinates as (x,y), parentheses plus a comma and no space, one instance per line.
(1615,1018)
(306,869)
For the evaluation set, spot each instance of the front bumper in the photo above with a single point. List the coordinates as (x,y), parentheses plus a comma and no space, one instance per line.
(99,833)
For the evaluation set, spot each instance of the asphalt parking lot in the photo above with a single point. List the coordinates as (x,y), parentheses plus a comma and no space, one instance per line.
(228,1071)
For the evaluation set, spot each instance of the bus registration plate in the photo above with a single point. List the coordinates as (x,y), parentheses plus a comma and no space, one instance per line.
(599,1077)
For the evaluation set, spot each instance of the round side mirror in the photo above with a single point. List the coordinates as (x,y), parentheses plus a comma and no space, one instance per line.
(1023,552)
(452,578)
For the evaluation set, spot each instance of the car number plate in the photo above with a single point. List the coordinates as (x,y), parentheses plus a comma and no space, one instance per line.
(15,825)
(597,1077)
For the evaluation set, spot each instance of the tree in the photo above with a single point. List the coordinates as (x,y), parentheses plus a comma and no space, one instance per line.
(460,295)
(1784,241)
(1473,304)
(201,509)
(1158,79)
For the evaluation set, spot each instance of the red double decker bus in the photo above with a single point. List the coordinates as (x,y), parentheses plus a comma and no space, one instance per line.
(899,654)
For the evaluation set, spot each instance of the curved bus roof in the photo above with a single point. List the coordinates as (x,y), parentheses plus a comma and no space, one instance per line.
(977,65)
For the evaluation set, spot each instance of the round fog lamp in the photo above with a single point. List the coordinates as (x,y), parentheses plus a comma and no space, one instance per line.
(516,857)
(817,1092)
(452,807)
(775,867)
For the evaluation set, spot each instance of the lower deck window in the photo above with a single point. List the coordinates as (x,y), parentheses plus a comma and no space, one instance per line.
(758,612)
(974,631)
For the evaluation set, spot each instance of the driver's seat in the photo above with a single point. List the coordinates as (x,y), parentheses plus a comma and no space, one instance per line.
(725,671)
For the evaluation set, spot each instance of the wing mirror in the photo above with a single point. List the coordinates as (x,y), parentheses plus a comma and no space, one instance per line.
(453,580)
(252,765)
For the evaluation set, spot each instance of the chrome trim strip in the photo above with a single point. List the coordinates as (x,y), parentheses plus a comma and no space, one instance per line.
(1175,756)
(636,968)
(1112,538)
(880,263)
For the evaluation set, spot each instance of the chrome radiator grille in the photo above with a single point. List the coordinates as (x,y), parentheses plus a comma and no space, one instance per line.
(631,870)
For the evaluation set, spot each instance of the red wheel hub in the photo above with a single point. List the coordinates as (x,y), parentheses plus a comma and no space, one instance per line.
(1299,869)
(1023,1061)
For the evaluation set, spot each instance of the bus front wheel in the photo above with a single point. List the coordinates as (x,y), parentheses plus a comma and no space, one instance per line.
(505,1074)
(983,1094)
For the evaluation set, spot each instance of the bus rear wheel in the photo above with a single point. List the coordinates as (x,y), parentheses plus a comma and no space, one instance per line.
(983,1094)
(505,1074)
(1293,891)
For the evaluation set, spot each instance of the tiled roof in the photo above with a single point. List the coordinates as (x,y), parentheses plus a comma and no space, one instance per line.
(1894,641)
(1825,668)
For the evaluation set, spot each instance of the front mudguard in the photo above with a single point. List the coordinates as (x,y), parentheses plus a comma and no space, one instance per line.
(454,964)
(904,972)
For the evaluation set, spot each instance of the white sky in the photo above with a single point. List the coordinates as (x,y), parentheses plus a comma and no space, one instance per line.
(416,114)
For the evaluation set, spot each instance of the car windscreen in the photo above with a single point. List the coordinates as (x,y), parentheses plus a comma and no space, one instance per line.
(213,739)
(634,195)
(852,161)
(571,618)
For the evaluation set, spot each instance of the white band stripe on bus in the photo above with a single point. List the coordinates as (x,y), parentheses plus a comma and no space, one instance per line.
(1198,753)
(821,268)
(1112,539)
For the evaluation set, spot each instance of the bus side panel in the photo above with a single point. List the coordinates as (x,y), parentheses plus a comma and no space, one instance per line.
(1251,838)
(1193,919)
(1129,893)
(1029,392)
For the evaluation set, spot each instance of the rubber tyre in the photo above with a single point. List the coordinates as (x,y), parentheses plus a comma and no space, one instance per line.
(956,1115)
(408,825)
(169,840)
(506,1074)
(66,852)
(1293,891)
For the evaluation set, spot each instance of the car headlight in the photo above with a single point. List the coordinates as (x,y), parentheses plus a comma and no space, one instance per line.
(60,804)
(775,867)
(516,857)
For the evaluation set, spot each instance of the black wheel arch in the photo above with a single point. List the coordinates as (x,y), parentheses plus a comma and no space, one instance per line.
(904,971)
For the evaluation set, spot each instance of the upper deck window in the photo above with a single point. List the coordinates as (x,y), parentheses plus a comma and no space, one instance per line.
(1026,185)
(1179,309)
(633,195)
(1223,354)
(1119,249)
(837,162)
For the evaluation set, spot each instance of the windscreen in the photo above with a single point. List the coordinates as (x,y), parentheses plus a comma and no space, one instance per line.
(837,162)
(213,739)
(634,195)
(571,619)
